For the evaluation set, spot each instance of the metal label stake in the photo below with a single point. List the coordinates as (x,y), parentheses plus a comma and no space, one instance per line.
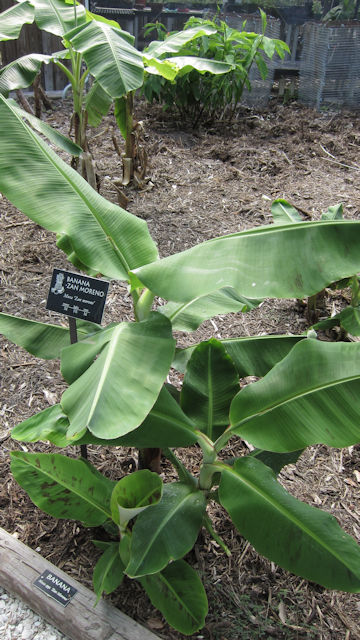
(73,330)
(73,340)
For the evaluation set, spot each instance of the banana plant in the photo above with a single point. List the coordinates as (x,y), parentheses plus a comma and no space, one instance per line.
(116,59)
(307,392)
(99,49)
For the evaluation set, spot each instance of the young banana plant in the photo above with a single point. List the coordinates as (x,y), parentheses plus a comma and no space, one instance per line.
(307,392)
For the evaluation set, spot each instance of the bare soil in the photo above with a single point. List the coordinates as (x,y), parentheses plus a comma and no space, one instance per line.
(203,183)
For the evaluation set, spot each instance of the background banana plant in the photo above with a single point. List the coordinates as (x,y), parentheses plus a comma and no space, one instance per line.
(99,49)
(308,391)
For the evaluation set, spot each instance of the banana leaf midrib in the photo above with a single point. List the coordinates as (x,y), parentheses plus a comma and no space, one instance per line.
(60,21)
(115,57)
(210,407)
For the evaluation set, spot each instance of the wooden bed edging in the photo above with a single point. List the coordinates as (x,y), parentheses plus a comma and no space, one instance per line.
(20,566)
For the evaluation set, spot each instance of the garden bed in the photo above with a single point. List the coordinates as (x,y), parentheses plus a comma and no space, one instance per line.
(202,184)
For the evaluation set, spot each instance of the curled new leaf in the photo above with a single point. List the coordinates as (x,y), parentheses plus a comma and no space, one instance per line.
(133,494)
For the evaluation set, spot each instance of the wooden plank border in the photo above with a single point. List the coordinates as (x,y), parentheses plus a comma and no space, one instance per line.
(20,566)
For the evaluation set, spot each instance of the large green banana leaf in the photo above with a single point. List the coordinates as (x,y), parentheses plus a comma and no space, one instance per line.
(251,356)
(13,19)
(210,383)
(64,487)
(311,396)
(289,261)
(59,140)
(104,237)
(58,16)
(110,56)
(178,593)
(167,531)
(186,64)
(97,104)
(298,537)
(169,68)
(190,315)
(40,339)
(20,73)
(113,399)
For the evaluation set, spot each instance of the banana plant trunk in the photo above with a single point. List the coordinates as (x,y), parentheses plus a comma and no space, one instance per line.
(128,158)
(150,458)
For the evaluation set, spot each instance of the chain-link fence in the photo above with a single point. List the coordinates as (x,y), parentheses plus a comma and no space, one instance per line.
(330,66)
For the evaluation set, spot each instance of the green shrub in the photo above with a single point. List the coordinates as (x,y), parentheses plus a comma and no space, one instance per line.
(213,97)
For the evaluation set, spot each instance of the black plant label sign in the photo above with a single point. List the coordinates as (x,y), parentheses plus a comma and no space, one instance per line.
(77,296)
(55,587)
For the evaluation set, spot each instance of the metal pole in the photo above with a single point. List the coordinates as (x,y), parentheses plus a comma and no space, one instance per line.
(73,340)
